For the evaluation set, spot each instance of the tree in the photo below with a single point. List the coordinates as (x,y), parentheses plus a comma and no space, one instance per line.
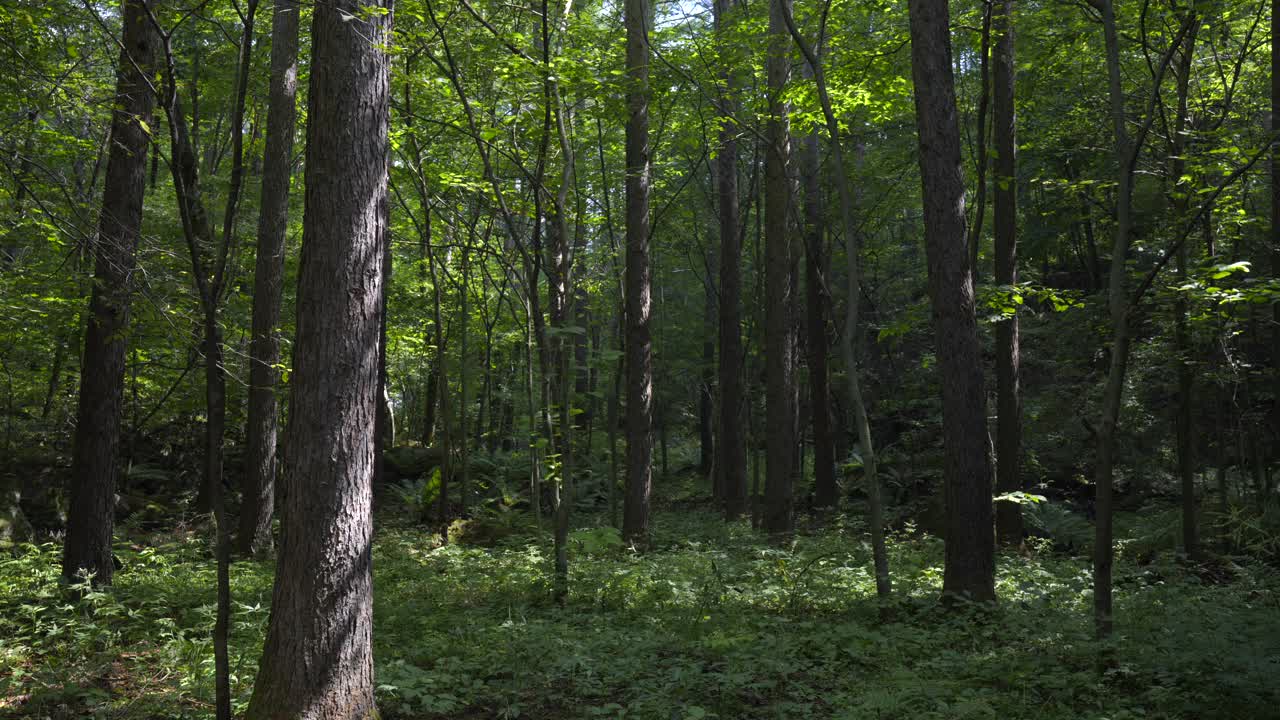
(96,454)
(1275,205)
(970,541)
(635,512)
(853,280)
(318,657)
(816,303)
(1008,394)
(268,283)
(731,463)
(780,335)
(1126,150)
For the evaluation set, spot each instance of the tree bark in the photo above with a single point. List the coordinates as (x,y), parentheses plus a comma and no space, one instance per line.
(731,462)
(268,284)
(1008,359)
(635,521)
(780,335)
(970,541)
(816,303)
(318,658)
(95,457)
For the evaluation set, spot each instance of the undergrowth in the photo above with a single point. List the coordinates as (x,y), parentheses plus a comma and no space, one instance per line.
(712,622)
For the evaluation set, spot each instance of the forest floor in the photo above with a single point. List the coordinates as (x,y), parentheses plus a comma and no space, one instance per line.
(712,622)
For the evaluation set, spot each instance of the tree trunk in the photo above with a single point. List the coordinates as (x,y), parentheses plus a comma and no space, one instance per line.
(982,160)
(318,658)
(780,336)
(464,378)
(732,450)
(707,379)
(849,201)
(1275,207)
(970,541)
(1119,308)
(612,418)
(816,303)
(1180,199)
(1008,393)
(95,457)
(268,284)
(635,523)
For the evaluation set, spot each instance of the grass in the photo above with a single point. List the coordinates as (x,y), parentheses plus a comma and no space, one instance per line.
(712,622)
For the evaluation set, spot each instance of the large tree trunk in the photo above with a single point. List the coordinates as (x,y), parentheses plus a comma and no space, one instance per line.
(95,457)
(635,520)
(268,284)
(970,541)
(1008,395)
(318,658)
(780,336)
(731,461)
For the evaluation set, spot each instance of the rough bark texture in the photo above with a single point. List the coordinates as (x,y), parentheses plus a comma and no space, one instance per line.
(731,461)
(970,541)
(816,303)
(1008,394)
(268,283)
(95,458)
(635,514)
(318,661)
(780,336)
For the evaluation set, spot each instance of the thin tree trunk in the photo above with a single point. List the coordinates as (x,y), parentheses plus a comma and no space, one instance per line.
(707,376)
(984,100)
(615,393)
(732,450)
(1119,307)
(1126,154)
(442,391)
(1275,206)
(780,336)
(96,446)
(1180,197)
(635,524)
(970,540)
(318,658)
(816,303)
(268,284)
(848,209)
(1008,394)
(464,377)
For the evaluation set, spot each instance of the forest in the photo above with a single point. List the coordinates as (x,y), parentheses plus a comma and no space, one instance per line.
(639,359)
